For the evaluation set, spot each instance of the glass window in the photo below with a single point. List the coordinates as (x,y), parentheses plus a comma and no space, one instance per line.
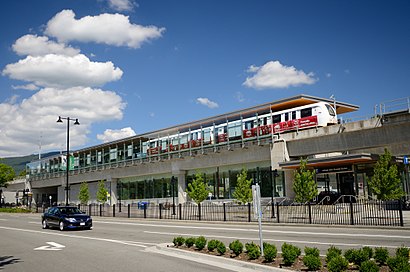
(293,115)
(331,110)
(305,112)
(276,119)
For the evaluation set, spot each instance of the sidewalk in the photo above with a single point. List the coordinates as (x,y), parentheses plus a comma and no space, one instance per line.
(230,264)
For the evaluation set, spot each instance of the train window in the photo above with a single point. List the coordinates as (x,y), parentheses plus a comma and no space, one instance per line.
(305,112)
(286,116)
(207,134)
(276,119)
(293,115)
(331,110)
(249,125)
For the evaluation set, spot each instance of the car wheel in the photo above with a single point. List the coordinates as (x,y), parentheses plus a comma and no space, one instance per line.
(45,225)
(61,225)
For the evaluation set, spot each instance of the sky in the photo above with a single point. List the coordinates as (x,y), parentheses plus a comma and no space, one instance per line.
(127,67)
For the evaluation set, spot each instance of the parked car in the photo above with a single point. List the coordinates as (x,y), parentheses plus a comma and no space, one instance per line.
(65,217)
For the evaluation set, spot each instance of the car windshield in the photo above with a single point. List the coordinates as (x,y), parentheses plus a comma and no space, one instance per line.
(70,210)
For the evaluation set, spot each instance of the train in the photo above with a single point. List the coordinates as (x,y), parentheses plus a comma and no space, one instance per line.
(319,114)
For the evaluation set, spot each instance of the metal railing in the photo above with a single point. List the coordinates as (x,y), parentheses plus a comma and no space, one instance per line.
(357,212)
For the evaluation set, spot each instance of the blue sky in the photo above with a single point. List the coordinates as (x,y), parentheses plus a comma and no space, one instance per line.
(129,67)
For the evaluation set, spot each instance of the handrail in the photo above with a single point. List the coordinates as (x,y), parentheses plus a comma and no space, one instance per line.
(323,199)
(343,196)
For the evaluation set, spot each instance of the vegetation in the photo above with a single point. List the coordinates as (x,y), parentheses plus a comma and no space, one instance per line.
(200,242)
(381,254)
(14,210)
(189,242)
(385,182)
(304,185)
(243,189)
(290,253)
(269,252)
(84,194)
(6,174)
(253,250)
(236,247)
(102,193)
(335,261)
(197,190)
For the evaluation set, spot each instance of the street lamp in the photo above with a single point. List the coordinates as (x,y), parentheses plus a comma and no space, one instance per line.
(67,188)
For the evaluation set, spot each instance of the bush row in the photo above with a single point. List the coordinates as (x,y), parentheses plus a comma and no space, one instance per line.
(366,259)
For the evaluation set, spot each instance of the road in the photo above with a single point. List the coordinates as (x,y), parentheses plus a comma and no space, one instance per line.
(119,244)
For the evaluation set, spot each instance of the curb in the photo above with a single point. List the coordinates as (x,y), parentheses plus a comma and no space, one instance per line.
(230,264)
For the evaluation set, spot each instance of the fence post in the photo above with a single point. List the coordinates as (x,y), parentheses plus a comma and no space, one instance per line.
(277,212)
(351,213)
(113,210)
(160,210)
(273,209)
(310,213)
(145,210)
(180,211)
(199,211)
(100,209)
(79,206)
(129,210)
(36,208)
(249,212)
(401,213)
(120,207)
(89,209)
(224,211)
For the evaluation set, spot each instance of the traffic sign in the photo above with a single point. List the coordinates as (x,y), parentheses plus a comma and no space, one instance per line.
(406,160)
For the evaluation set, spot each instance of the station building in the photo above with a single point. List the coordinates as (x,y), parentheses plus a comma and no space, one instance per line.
(268,140)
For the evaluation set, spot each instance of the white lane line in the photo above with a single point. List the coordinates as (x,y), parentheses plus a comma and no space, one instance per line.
(321,234)
(130,243)
(271,240)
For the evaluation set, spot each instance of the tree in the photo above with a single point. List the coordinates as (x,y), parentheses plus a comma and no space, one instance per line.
(386,183)
(243,190)
(102,193)
(304,185)
(6,174)
(84,194)
(197,190)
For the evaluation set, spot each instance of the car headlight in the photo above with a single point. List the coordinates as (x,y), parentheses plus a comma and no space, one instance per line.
(71,220)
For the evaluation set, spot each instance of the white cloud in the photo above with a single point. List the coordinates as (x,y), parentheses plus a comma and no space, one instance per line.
(63,71)
(110,135)
(121,5)
(112,29)
(40,46)
(275,75)
(240,97)
(29,87)
(37,115)
(328,75)
(206,102)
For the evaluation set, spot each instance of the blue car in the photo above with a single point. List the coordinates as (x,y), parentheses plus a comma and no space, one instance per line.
(64,217)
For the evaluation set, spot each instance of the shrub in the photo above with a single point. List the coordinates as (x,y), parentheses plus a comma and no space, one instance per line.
(338,263)
(369,252)
(290,253)
(200,242)
(381,254)
(236,247)
(332,252)
(252,250)
(221,248)
(369,266)
(356,256)
(403,252)
(189,242)
(270,252)
(398,264)
(213,244)
(178,241)
(312,251)
(312,262)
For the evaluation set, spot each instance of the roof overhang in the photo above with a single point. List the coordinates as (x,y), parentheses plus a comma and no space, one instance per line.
(329,162)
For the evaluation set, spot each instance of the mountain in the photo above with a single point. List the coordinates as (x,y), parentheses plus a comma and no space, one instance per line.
(19,163)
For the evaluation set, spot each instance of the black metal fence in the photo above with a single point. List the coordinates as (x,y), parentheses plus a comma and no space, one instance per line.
(363,212)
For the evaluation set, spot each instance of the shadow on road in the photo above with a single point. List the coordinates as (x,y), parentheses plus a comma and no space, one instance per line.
(6,260)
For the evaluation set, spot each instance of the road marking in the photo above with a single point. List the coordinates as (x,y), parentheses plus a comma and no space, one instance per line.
(321,234)
(51,246)
(130,243)
(265,239)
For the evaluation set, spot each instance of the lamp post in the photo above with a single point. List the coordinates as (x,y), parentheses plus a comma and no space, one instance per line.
(67,188)
(173,194)
(275,174)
